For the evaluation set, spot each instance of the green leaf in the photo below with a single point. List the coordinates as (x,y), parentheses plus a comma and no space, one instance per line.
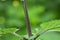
(9,37)
(51,25)
(7,30)
(46,16)
(50,35)
(22,31)
(14,23)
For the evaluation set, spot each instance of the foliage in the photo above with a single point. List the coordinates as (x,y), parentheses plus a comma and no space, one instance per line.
(43,14)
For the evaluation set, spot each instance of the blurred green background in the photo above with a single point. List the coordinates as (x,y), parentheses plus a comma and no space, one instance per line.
(40,11)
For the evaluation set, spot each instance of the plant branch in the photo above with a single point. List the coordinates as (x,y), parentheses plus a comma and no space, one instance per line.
(40,34)
(17,35)
(27,18)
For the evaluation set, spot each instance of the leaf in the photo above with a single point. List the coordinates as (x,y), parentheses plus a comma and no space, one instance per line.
(46,16)
(22,31)
(14,23)
(53,25)
(7,30)
(50,36)
(9,37)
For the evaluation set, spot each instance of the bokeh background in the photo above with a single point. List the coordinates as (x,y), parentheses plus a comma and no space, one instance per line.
(40,11)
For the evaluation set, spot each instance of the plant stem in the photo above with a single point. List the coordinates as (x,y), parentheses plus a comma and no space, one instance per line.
(27,18)
(18,35)
(40,34)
